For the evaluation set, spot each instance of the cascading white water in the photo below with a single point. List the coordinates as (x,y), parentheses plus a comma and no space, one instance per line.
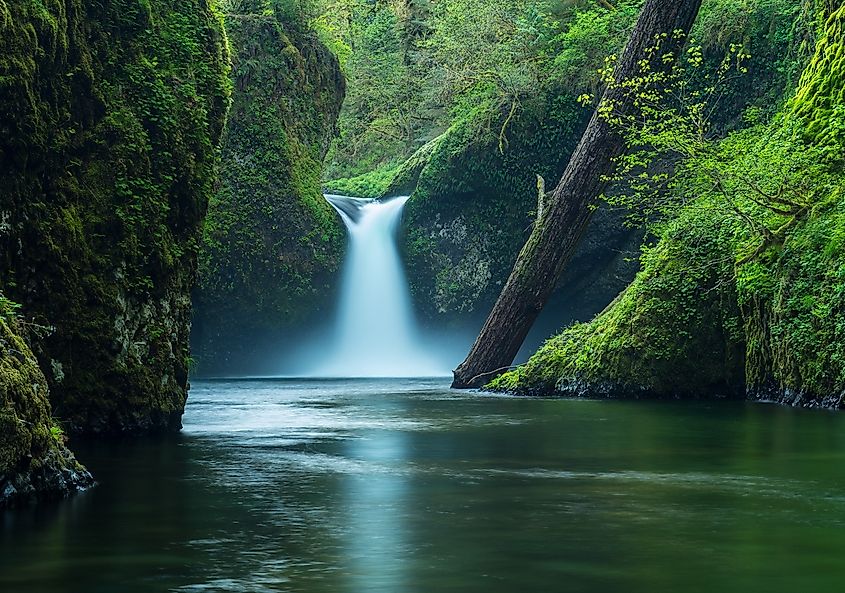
(376,332)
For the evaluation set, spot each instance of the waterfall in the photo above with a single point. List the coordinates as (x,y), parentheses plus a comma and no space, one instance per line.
(376,333)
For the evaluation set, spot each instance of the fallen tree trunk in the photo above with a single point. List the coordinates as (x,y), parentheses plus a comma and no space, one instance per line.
(569,208)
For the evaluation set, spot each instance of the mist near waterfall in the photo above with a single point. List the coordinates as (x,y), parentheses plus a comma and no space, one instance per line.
(375,332)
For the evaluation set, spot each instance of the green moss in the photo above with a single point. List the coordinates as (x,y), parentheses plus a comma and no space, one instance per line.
(701,320)
(820,100)
(272,244)
(794,315)
(32,450)
(674,332)
(794,318)
(111,117)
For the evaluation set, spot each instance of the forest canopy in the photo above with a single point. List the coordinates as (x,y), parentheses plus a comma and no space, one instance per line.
(415,68)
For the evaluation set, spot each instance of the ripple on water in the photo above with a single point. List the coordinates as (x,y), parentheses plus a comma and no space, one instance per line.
(405,486)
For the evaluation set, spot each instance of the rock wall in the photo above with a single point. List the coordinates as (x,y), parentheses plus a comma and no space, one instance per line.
(34,462)
(272,245)
(110,114)
(795,318)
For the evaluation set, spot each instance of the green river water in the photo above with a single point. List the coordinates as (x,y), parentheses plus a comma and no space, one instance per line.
(402,486)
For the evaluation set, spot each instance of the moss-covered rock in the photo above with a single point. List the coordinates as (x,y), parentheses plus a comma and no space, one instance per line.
(676,331)
(473,205)
(34,462)
(110,116)
(821,96)
(794,302)
(794,309)
(272,244)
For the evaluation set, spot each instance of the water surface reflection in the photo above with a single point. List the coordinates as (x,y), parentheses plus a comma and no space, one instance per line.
(404,486)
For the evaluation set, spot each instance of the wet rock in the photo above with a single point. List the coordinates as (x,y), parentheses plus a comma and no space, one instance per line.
(34,460)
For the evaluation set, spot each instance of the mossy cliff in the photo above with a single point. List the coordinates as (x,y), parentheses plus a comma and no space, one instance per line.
(795,298)
(110,114)
(34,462)
(472,204)
(272,244)
(675,330)
(702,318)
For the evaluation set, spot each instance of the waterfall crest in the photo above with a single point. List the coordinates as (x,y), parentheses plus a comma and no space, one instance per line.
(376,334)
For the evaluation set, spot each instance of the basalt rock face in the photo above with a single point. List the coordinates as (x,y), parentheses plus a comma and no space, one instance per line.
(473,206)
(273,245)
(34,462)
(109,118)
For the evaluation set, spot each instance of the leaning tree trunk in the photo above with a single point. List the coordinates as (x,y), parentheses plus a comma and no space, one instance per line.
(562,220)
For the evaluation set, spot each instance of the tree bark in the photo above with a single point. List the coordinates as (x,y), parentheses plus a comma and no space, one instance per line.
(570,207)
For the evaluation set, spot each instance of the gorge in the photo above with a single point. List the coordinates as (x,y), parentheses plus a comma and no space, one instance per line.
(243,243)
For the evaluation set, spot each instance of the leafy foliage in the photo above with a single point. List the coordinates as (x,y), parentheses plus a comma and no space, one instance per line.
(8,309)
(765,176)
(390,109)
(466,182)
(760,214)
(374,184)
